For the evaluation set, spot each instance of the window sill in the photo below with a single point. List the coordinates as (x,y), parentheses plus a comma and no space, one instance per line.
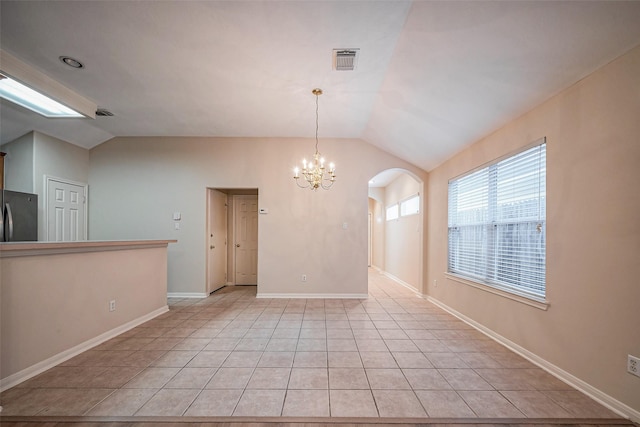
(542,305)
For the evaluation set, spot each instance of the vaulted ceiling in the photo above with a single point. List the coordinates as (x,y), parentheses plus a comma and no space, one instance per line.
(432,77)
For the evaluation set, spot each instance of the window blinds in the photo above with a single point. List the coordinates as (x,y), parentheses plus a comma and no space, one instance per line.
(497,224)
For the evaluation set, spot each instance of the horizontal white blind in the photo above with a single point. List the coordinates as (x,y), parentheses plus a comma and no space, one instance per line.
(497,224)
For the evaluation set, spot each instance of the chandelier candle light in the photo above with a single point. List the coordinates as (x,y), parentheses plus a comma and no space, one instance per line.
(314,172)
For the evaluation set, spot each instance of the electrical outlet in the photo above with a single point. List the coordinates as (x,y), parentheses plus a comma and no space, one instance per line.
(633,365)
(112,305)
(304,278)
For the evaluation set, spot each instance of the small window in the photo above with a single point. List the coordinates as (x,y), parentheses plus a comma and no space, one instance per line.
(411,206)
(392,212)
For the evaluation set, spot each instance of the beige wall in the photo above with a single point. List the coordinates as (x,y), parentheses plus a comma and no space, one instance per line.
(34,155)
(54,302)
(18,164)
(593,246)
(136,184)
(60,159)
(403,248)
(376,208)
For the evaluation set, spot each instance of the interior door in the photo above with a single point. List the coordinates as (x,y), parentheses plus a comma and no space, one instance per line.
(246,239)
(217,241)
(66,211)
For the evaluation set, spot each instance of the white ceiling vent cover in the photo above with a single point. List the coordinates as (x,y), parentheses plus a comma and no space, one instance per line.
(345,59)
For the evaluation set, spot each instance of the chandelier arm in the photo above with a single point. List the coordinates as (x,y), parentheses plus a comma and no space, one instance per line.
(302,186)
(326,187)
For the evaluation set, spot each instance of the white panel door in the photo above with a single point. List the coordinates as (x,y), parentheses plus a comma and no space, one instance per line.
(66,211)
(217,248)
(246,239)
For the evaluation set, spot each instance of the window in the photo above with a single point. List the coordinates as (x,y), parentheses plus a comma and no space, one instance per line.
(411,206)
(392,212)
(497,224)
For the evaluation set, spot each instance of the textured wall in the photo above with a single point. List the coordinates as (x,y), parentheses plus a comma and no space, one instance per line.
(593,231)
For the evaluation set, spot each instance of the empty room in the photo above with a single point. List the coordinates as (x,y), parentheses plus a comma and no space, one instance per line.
(330,212)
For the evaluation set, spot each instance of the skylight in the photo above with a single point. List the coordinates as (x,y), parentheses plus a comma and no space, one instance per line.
(26,97)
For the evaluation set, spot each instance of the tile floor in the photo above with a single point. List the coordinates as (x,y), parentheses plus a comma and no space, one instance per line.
(392,355)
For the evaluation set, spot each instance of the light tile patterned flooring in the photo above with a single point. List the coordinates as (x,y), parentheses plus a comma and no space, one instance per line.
(392,355)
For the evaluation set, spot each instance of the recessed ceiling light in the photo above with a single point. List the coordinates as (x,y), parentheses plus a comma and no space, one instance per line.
(32,89)
(71,62)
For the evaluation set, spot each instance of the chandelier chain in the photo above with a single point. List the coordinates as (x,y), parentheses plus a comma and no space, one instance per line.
(317,96)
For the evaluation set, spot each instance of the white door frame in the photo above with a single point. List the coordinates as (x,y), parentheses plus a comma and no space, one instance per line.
(370,244)
(208,239)
(45,200)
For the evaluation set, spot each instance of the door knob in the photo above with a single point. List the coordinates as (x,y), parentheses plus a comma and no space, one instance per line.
(212,247)
(237,245)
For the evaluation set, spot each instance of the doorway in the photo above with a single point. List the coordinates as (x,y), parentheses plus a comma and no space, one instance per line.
(232,237)
(245,215)
(396,215)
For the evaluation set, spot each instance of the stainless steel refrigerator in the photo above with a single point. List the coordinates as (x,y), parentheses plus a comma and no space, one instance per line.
(19,219)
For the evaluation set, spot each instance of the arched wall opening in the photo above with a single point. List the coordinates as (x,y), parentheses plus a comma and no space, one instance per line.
(396,209)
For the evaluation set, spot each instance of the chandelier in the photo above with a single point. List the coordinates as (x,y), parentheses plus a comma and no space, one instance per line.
(315,173)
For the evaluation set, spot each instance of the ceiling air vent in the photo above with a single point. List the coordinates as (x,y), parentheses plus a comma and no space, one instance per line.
(345,59)
(103,112)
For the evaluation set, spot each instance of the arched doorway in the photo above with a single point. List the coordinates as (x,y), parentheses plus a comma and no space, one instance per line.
(396,209)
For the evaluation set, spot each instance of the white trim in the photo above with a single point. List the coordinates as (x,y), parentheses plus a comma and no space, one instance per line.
(33,370)
(538,142)
(310,296)
(564,376)
(45,201)
(41,82)
(186,295)
(42,250)
(510,294)
(400,281)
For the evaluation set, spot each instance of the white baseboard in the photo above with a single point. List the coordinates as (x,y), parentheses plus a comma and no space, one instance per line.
(599,396)
(310,296)
(33,370)
(399,281)
(186,295)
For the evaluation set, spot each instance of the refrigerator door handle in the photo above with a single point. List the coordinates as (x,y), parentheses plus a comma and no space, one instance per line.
(2,225)
(9,222)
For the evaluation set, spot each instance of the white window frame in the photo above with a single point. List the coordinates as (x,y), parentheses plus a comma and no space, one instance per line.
(397,212)
(406,201)
(489,250)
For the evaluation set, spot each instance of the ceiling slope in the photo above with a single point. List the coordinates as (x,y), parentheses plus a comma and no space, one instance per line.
(432,77)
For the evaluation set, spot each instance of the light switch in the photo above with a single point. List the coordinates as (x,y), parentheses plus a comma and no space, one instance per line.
(345,225)
(263,211)
(176,225)
(177,216)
